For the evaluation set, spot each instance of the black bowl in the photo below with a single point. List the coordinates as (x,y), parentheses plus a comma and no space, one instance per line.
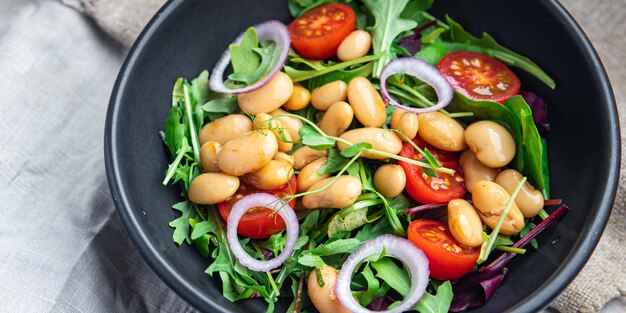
(186,37)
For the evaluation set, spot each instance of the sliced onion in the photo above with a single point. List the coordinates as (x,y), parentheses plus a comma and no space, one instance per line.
(271,30)
(399,248)
(422,71)
(277,205)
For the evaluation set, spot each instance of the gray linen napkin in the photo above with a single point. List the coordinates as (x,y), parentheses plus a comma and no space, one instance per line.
(604,276)
(62,245)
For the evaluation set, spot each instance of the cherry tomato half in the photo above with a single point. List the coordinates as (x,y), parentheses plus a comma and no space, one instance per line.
(447,258)
(317,33)
(258,223)
(426,189)
(479,76)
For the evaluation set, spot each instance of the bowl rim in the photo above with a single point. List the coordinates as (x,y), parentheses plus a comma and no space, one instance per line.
(557,282)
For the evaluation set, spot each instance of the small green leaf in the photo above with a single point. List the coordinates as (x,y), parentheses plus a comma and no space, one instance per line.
(310,260)
(203,228)
(440,302)
(527,228)
(226,105)
(393,275)
(243,58)
(335,163)
(181,224)
(353,149)
(336,247)
(317,141)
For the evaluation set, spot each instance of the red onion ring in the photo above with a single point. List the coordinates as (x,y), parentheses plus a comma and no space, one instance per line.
(424,72)
(277,205)
(399,248)
(271,30)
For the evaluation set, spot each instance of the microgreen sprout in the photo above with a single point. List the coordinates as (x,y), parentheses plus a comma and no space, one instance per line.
(488,244)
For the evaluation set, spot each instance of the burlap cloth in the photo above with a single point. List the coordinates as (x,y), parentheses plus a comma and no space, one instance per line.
(604,276)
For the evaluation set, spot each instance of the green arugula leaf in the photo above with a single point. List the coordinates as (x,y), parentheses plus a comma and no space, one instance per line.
(276,242)
(243,57)
(388,25)
(181,224)
(201,241)
(310,221)
(396,277)
(345,75)
(203,228)
(374,289)
(336,247)
(353,149)
(301,75)
(317,141)
(373,230)
(310,260)
(334,163)
(440,302)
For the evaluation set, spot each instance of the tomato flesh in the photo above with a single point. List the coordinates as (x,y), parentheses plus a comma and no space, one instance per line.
(317,33)
(258,223)
(425,189)
(447,258)
(479,76)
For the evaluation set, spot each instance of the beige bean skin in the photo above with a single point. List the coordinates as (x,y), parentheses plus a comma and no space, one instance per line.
(441,131)
(390,180)
(529,200)
(299,99)
(342,193)
(225,129)
(309,174)
(269,97)
(337,119)
(305,155)
(211,188)
(367,104)
(324,298)
(262,121)
(380,139)
(324,96)
(464,223)
(208,156)
(474,170)
(282,156)
(272,175)
(292,124)
(354,46)
(406,122)
(248,153)
(489,200)
(491,142)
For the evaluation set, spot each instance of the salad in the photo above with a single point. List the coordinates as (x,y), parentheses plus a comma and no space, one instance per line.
(365,157)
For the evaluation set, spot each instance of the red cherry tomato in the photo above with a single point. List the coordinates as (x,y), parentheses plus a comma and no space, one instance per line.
(479,76)
(258,223)
(426,189)
(317,33)
(447,258)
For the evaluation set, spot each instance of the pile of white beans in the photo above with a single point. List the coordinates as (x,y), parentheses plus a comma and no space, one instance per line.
(237,148)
